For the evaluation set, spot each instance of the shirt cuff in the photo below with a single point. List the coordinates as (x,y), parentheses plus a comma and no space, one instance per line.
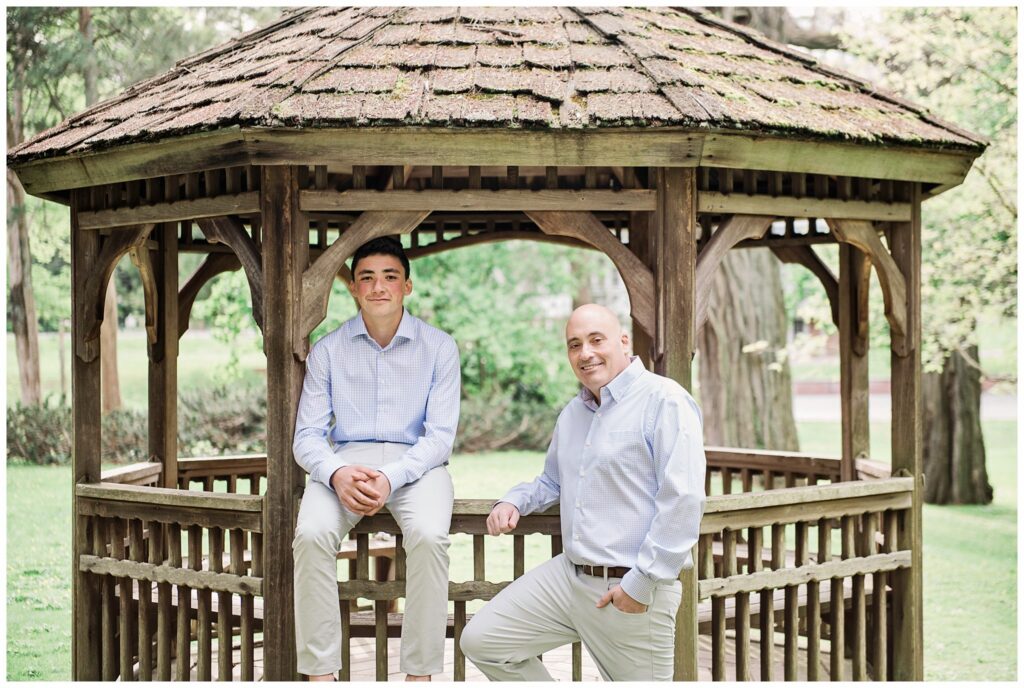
(396,473)
(327,468)
(512,501)
(638,586)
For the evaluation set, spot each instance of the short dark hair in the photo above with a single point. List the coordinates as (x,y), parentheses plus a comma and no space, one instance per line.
(382,246)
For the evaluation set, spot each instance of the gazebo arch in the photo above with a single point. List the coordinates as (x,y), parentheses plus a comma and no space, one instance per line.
(662,137)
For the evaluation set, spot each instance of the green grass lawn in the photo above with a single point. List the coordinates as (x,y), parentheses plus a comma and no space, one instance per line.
(970,560)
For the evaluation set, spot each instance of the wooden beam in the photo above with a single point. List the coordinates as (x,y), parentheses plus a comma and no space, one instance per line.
(447,146)
(163,358)
(489,238)
(143,262)
(231,231)
(657,147)
(894,288)
(805,255)
(729,233)
(741,151)
(317,278)
(908,630)
(285,256)
(585,227)
(215,264)
(196,580)
(781,206)
(853,359)
(85,453)
(94,286)
(171,497)
(238,204)
(478,200)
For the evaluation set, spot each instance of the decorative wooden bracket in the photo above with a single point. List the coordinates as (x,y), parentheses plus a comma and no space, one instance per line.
(862,234)
(215,264)
(143,262)
(90,307)
(585,226)
(230,230)
(805,255)
(317,279)
(730,232)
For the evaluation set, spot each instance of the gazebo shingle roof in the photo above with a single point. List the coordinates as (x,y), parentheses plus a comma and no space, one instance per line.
(523,67)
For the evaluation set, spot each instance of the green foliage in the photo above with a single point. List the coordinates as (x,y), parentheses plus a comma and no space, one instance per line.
(227,310)
(961,63)
(47,57)
(39,434)
(499,302)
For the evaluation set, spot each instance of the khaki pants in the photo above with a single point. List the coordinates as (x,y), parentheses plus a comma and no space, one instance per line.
(555,605)
(423,510)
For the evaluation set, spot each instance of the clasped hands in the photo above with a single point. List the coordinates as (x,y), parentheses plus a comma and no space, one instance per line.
(361,489)
(504,518)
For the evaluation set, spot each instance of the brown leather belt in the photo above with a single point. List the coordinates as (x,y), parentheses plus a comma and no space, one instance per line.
(599,571)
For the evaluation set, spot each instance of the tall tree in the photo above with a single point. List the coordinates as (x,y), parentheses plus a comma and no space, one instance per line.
(60,60)
(110,393)
(746,387)
(962,64)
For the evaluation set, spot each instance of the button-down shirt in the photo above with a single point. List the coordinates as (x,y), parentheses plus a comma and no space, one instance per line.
(629,477)
(406,392)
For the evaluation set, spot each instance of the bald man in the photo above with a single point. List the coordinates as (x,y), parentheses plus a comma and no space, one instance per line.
(626,464)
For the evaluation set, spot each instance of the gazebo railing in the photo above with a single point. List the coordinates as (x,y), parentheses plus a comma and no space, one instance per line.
(834,584)
(173,568)
(810,565)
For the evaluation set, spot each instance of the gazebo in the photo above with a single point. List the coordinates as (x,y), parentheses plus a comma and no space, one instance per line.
(661,137)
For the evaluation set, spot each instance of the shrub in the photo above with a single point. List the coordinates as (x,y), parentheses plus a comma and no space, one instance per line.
(227,419)
(39,434)
(498,420)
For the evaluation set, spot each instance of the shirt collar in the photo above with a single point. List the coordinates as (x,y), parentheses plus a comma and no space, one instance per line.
(619,385)
(406,327)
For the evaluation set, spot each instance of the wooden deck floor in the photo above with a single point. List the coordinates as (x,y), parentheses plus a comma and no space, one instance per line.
(559,662)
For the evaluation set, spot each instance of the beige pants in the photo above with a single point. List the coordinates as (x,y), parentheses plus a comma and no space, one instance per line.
(423,510)
(554,605)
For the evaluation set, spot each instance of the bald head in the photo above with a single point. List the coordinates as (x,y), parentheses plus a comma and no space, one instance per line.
(598,347)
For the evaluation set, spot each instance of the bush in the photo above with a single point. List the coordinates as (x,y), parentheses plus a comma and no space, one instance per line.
(39,434)
(227,419)
(497,420)
(232,419)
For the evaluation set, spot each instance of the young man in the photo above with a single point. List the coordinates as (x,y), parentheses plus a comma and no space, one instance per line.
(375,426)
(626,463)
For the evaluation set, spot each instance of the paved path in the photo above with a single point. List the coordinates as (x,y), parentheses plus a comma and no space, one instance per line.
(825,407)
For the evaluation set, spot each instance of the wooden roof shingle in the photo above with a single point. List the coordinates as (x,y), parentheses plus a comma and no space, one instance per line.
(532,67)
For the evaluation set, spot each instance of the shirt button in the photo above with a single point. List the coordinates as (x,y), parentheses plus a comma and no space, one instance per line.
(575,537)
(581,471)
(586,444)
(598,415)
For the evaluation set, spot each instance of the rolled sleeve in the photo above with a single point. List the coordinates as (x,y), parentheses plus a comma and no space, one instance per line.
(441,421)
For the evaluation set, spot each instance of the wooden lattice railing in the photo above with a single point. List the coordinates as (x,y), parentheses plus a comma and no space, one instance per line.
(759,576)
(757,548)
(203,552)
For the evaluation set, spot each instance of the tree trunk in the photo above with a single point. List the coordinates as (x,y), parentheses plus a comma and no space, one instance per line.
(954,449)
(111,388)
(21,301)
(746,390)
(747,396)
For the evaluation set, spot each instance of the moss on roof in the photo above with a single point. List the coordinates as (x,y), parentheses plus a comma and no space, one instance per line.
(539,67)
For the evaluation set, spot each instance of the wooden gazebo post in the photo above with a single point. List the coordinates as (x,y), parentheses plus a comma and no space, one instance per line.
(853,357)
(285,255)
(675,251)
(85,456)
(908,627)
(163,357)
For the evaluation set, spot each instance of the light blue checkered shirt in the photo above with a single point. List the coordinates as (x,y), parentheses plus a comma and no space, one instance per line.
(629,477)
(407,392)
